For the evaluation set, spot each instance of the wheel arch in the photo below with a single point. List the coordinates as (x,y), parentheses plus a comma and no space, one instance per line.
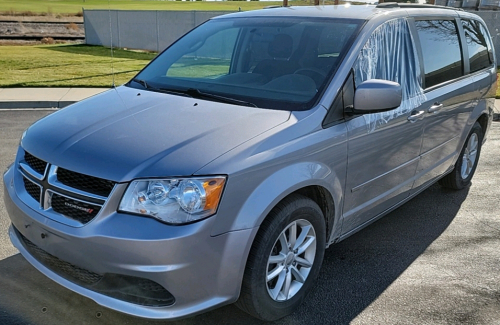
(325,201)
(483,120)
(310,179)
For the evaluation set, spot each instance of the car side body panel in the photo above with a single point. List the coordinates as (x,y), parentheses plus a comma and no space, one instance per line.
(322,163)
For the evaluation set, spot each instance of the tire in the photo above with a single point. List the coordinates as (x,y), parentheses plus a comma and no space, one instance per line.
(465,167)
(291,272)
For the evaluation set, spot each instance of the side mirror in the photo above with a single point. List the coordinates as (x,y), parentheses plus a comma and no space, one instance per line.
(377,95)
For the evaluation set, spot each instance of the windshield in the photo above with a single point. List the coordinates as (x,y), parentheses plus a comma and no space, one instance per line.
(268,62)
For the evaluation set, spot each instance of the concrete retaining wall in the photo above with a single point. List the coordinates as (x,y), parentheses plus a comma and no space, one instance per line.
(141,29)
(155,30)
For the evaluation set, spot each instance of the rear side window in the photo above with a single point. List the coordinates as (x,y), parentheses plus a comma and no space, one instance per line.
(475,36)
(441,50)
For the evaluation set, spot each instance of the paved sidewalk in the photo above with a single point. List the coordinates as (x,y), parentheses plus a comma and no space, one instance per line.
(44,97)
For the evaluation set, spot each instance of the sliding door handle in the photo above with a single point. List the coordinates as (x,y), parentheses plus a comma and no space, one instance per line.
(435,108)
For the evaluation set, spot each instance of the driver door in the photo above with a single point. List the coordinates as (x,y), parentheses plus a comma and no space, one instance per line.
(383,148)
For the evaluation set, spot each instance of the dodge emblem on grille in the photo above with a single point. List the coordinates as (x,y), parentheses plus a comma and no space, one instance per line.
(74,206)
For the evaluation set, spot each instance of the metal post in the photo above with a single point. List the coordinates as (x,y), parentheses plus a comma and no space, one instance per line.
(85,26)
(118,27)
(157,33)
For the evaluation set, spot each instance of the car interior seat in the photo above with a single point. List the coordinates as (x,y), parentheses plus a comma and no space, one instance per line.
(280,49)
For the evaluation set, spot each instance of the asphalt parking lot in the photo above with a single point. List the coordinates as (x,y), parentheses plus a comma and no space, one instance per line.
(435,260)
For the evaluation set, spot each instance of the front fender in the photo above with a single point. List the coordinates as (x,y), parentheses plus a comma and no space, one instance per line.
(273,189)
(271,166)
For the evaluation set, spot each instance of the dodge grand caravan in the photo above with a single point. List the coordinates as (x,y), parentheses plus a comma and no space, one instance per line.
(222,171)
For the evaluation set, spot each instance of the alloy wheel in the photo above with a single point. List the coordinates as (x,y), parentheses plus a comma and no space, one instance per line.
(290,260)
(470,156)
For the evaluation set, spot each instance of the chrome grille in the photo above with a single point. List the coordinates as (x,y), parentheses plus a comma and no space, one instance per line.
(37,164)
(85,183)
(74,209)
(33,189)
(67,193)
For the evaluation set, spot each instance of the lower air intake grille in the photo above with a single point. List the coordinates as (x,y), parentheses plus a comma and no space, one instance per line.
(62,268)
(132,289)
(76,210)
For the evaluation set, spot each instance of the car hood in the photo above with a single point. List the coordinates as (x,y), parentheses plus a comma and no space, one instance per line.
(125,133)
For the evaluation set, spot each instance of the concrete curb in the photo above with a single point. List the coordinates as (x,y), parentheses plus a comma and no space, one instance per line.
(34,104)
(496,110)
(12,98)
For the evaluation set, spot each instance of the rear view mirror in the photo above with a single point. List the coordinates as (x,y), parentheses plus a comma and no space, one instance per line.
(377,95)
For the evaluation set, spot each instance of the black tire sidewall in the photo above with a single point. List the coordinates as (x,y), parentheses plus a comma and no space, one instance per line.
(299,208)
(459,181)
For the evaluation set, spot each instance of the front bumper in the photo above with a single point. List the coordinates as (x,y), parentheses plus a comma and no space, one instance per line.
(200,271)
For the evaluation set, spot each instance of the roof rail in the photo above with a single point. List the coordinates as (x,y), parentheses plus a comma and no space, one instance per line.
(413,5)
(388,5)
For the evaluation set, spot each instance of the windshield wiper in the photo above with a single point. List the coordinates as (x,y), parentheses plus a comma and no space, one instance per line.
(142,82)
(196,93)
(161,90)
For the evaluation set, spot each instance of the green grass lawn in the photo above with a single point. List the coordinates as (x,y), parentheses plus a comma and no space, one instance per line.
(74,6)
(78,66)
(67,65)
(498,89)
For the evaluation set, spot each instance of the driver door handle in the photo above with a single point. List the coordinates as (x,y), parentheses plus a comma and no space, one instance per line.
(415,116)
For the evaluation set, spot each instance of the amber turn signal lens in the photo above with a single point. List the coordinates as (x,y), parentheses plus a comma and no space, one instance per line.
(213,189)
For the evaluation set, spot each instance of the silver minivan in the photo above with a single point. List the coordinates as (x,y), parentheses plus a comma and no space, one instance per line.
(223,170)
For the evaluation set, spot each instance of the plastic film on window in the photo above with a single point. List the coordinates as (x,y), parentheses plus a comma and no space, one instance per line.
(390,54)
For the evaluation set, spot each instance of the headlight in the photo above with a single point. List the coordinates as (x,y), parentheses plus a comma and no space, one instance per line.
(176,200)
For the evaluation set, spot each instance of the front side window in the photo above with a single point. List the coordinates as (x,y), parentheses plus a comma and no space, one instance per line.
(268,62)
(390,54)
(475,36)
(441,50)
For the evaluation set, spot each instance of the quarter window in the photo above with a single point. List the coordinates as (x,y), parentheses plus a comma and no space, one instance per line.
(475,36)
(441,50)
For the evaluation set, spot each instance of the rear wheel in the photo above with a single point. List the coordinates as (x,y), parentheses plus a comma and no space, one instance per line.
(467,161)
(284,260)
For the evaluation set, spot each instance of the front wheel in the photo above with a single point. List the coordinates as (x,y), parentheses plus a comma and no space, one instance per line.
(467,161)
(284,260)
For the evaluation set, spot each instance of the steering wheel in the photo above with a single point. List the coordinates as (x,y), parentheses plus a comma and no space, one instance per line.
(315,74)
